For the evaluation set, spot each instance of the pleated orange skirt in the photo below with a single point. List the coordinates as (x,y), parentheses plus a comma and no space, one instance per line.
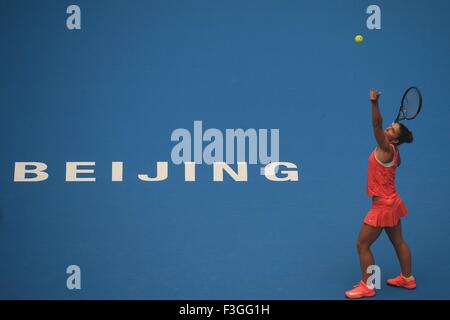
(386,212)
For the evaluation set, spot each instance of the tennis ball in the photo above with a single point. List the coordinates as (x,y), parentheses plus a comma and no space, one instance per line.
(359,38)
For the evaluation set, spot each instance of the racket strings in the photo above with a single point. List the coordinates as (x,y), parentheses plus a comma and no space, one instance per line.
(411,103)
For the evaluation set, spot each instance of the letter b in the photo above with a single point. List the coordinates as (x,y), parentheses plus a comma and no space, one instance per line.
(20,171)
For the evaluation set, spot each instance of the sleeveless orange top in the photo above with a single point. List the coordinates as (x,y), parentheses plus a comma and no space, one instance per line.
(381,176)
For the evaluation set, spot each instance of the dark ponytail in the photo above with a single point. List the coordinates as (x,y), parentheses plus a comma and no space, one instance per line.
(405,136)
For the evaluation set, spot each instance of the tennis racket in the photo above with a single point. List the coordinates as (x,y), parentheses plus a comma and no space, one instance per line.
(411,104)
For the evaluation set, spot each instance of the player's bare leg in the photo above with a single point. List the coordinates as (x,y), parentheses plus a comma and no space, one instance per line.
(367,236)
(401,248)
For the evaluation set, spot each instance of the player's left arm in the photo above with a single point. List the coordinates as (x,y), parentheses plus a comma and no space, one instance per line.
(384,151)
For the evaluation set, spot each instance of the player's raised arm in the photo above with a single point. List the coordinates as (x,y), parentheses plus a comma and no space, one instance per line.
(377,122)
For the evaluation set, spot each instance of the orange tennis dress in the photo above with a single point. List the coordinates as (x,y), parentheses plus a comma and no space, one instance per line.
(387,206)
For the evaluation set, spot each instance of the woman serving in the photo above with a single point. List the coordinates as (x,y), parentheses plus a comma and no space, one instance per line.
(387,206)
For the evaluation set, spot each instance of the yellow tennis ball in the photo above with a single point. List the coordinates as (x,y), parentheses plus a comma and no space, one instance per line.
(359,38)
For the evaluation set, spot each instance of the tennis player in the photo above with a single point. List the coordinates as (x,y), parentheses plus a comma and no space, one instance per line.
(387,206)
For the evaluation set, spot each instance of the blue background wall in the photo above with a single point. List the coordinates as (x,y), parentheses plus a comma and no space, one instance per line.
(115,90)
